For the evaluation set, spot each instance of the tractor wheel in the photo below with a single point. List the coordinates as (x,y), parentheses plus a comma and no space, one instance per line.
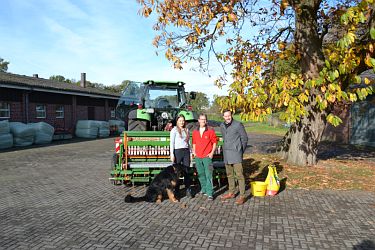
(191,125)
(137,125)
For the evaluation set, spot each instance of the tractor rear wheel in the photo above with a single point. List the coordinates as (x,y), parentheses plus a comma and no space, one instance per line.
(137,125)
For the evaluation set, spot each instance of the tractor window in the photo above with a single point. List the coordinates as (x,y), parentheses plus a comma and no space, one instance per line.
(161,98)
(132,94)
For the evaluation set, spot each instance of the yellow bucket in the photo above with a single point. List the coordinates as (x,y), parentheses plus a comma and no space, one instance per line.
(258,188)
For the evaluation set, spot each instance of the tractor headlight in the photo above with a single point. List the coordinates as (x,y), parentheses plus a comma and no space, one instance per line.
(164,115)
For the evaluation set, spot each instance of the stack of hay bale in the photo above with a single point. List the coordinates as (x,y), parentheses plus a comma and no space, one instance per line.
(92,129)
(6,138)
(87,129)
(43,132)
(23,134)
(103,129)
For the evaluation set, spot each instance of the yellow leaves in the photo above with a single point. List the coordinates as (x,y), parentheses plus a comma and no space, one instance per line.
(352,97)
(168,54)
(370,61)
(303,98)
(331,98)
(323,88)
(198,30)
(284,4)
(146,11)
(371,47)
(286,100)
(281,45)
(168,42)
(351,37)
(219,25)
(156,40)
(226,9)
(232,17)
(334,120)
(367,81)
(191,39)
(331,87)
(257,69)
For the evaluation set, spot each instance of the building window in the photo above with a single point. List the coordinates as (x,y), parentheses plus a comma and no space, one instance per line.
(40,111)
(113,113)
(4,110)
(60,112)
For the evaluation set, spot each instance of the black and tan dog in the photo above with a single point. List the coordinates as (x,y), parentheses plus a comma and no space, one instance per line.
(163,185)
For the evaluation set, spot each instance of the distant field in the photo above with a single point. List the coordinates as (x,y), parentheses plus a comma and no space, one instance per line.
(264,128)
(255,127)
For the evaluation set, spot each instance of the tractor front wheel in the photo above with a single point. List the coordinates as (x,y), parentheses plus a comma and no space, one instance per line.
(137,125)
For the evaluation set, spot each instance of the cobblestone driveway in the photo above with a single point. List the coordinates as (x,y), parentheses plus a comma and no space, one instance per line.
(60,197)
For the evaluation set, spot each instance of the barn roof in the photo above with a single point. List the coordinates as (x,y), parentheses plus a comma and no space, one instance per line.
(9,80)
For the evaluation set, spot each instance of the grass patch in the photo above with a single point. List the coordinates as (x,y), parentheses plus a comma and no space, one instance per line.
(263,128)
(328,174)
(254,127)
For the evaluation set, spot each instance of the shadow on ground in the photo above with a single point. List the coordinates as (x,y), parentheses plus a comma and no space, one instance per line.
(329,150)
(53,143)
(365,245)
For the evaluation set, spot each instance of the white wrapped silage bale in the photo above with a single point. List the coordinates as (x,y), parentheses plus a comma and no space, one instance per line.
(23,134)
(90,133)
(43,132)
(116,123)
(4,127)
(6,141)
(103,129)
(88,124)
(87,129)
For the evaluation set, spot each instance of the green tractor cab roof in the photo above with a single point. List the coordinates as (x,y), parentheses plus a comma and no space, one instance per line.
(164,83)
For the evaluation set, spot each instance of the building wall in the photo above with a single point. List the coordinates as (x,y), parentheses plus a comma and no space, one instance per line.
(16,112)
(52,101)
(358,124)
(363,122)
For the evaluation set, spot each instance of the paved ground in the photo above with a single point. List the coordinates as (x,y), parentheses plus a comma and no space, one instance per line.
(60,197)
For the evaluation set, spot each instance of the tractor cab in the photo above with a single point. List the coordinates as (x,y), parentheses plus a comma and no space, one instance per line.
(153,105)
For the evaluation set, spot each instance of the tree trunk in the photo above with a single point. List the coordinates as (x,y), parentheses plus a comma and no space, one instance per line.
(300,145)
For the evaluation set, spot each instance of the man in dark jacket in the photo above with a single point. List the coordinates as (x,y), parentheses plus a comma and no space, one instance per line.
(235,142)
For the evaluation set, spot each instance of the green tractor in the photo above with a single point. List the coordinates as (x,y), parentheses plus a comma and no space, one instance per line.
(154,106)
(149,110)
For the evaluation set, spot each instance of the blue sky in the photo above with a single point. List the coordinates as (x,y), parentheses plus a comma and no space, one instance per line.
(108,40)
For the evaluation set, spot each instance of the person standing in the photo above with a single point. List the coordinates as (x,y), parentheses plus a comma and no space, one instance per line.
(235,142)
(204,144)
(180,151)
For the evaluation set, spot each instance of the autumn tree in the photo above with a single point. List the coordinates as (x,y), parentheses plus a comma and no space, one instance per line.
(247,37)
(118,88)
(200,102)
(3,65)
(60,78)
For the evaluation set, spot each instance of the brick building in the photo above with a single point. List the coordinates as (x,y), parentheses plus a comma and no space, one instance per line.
(32,99)
(358,120)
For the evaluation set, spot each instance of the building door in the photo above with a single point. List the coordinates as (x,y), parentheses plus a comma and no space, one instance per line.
(363,122)
(91,113)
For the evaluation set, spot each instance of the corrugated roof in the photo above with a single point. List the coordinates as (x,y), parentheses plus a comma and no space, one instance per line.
(41,83)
